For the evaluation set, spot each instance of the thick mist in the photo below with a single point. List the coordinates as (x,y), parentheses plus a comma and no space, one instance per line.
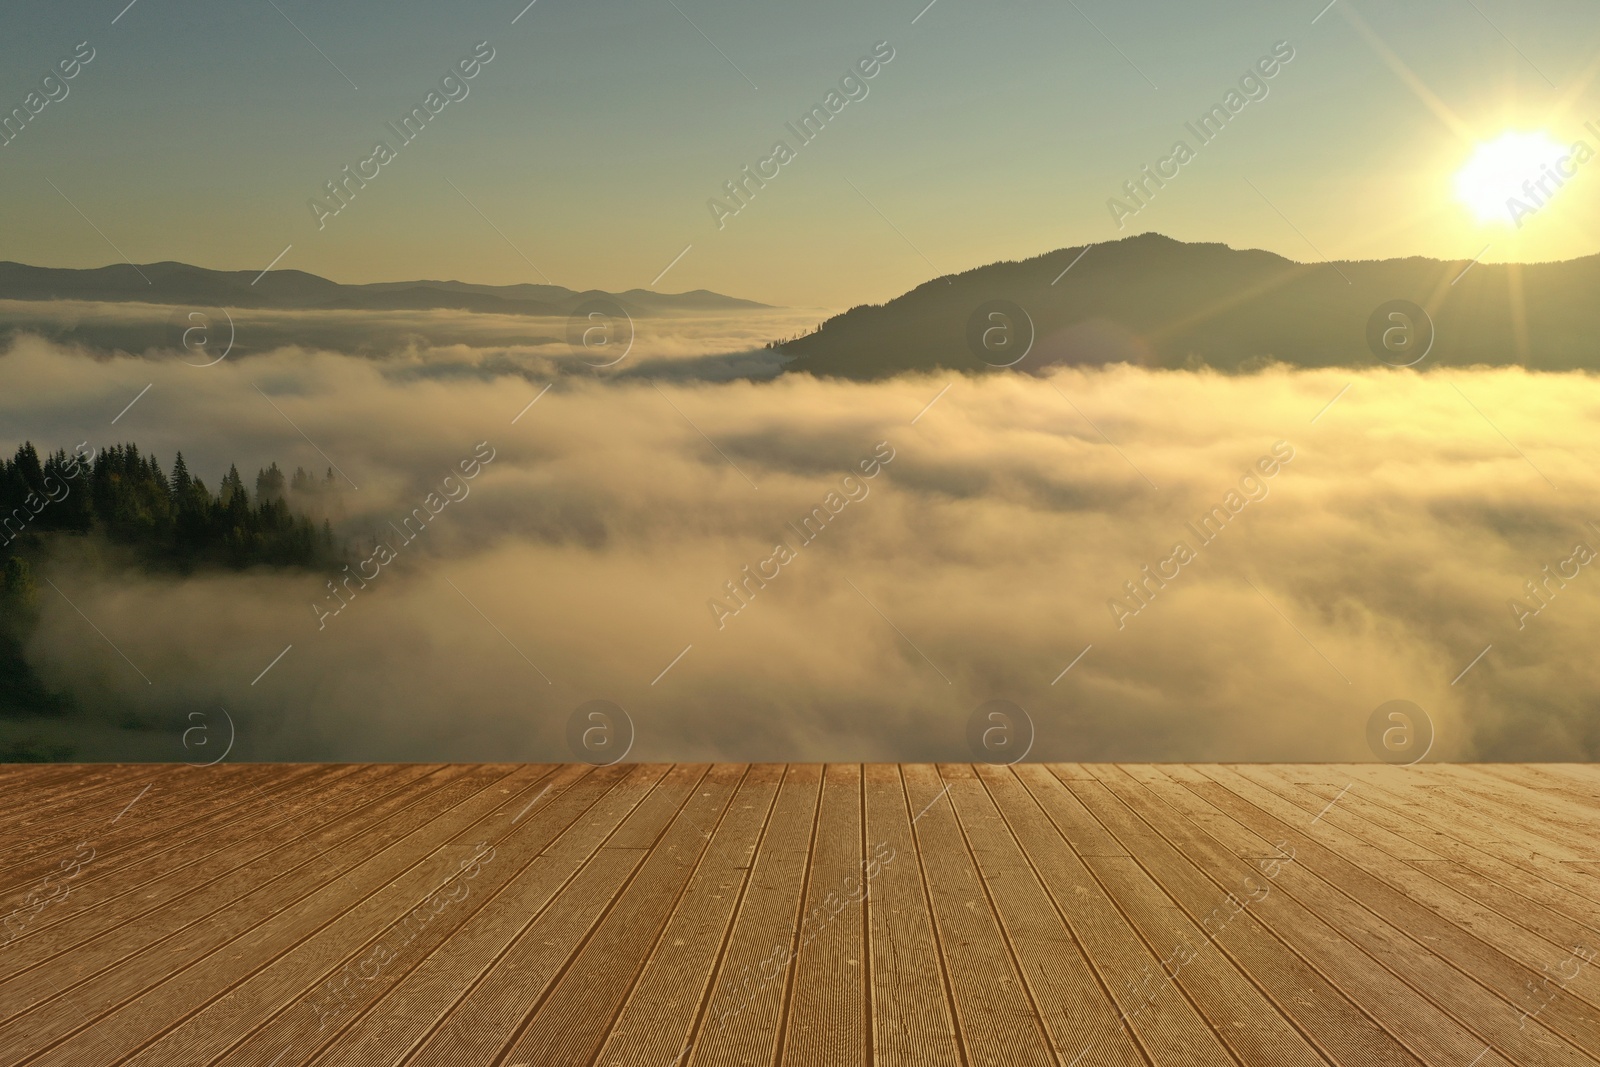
(933,558)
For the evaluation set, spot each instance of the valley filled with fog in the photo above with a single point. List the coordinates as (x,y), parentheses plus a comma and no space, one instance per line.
(947,539)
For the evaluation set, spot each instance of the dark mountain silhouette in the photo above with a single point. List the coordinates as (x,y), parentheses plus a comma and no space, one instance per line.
(555,295)
(181,284)
(1154,301)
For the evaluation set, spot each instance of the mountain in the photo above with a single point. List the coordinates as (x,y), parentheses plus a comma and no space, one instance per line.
(1158,302)
(184,285)
(694,300)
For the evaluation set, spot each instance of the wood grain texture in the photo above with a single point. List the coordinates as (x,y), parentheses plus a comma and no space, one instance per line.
(911,1016)
(886,915)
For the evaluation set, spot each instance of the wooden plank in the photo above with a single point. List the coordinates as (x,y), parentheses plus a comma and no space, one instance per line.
(995,1015)
(156,989)
(664,1009)
(1480,943)
(530,923)
(749,990)
(33,775)
(1549,823)
(421,1001)
(72,793)
(1089,839)
(1496,838)
(1544,781)
(1557,777)
(570,1025)
(120,856)
(1151,887)
(827,1021)
(299,1001)
(1321,881)
(1479,862)
(125,821)
(1166,1027)
(910,1013)
(647,916)
(486,1022)
(1556,817)
(1479,904)
(1064,989)
(116,922)
(33,786)
(1070,772)
(1407,1016)
(1574,780)
(325,964)
(1439,792)
(191,867)
(65,812)
(1221,883)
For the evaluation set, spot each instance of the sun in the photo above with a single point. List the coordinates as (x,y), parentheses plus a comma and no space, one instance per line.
(1510,168)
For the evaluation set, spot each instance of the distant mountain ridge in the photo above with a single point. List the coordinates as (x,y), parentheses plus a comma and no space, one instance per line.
(1158,302)
(182,284)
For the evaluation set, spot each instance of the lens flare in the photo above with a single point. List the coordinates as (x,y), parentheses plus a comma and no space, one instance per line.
(1508,170)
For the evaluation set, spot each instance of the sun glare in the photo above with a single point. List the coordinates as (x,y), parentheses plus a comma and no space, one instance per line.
(1507,171)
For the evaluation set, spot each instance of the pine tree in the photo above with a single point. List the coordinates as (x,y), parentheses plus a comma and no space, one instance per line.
(269,485)
(173,519)
(232,488)
(29,469)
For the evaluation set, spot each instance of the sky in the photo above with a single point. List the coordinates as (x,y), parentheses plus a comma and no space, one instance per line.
(586,151)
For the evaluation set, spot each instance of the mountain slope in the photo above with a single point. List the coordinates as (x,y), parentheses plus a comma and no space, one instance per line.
(182,284)
(1159,302)
(694,300)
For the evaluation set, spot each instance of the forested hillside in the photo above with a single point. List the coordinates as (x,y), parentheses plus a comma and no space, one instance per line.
(158,520)
(1155,302)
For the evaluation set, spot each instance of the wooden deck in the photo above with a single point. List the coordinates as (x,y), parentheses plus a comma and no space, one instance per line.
(652,916)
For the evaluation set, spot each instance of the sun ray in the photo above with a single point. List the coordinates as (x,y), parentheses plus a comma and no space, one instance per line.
(1519,314)
(1440,109)
(1576,89)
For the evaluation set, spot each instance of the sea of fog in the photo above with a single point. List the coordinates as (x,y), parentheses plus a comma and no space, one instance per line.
(1152,565)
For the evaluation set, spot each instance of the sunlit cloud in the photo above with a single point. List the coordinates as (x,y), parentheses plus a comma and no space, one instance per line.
(985,557)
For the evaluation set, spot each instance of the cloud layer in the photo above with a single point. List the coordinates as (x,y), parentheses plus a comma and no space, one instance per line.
(977,564)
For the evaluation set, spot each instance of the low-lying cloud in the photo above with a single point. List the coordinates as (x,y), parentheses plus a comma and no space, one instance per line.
(978,564)
(438,343)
